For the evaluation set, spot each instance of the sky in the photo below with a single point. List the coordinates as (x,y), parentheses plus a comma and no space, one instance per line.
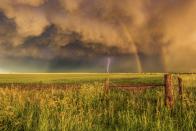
(80,35)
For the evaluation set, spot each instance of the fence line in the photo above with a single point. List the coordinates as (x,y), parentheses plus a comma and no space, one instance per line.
(168,86)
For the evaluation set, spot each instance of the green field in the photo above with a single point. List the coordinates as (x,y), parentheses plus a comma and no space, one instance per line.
(90,107)
(80,78)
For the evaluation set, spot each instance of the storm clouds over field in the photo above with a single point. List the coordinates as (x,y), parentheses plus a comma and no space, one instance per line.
(79,35)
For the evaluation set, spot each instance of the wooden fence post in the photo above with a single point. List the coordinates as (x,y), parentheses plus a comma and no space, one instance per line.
(107,85)
(168,90)
(180,86)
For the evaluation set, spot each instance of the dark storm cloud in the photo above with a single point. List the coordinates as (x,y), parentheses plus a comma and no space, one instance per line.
(79,31)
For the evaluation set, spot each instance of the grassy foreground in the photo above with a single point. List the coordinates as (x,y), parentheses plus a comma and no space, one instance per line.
(91,108)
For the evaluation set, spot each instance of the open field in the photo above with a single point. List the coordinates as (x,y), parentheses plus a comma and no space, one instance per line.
(79,78)
(32,102)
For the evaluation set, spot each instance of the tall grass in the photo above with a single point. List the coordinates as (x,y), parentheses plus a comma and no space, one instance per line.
(90,108)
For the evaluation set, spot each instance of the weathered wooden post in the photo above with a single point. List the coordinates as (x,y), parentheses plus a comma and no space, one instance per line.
(168,90)
(107,85)
(180,87)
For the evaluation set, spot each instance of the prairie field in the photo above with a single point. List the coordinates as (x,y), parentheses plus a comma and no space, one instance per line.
(80,102)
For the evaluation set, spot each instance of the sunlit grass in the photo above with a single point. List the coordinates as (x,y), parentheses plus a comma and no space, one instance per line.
(91,108)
